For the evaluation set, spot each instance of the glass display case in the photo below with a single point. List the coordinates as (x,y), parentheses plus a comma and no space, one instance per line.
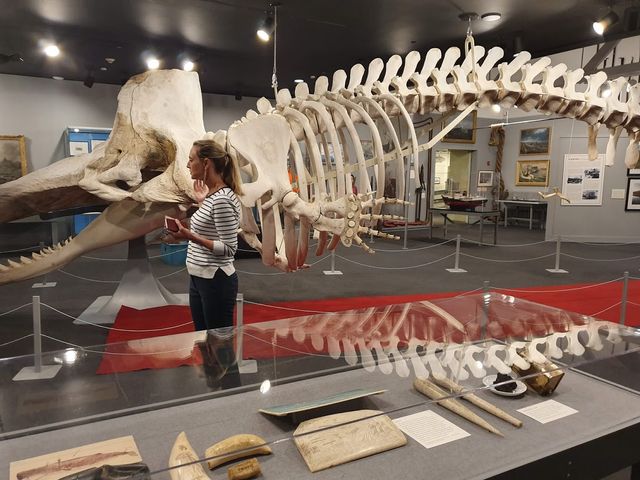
(476,386)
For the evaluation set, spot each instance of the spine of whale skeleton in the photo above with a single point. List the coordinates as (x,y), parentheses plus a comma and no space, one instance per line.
(141,169)
(429,340)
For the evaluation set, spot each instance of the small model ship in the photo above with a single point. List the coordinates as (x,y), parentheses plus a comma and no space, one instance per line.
(463,203)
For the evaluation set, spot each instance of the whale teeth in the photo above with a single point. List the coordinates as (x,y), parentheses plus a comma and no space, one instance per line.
(13,264)
(26,260)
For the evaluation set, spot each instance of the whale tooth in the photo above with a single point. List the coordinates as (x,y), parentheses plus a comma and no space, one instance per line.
(4,268)
(47,250)
(13,264)
(58,246)
(36,255)
(66,242)
(26,260)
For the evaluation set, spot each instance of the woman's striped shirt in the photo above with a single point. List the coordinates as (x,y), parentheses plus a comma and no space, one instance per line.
(217,219)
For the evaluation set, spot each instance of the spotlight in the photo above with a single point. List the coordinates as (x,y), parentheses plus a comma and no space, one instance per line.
(491,17)
(496,108)
(57,77)
(188,65)
(51,51)
(265,30)
(298,80)
(605,22)
(153,63)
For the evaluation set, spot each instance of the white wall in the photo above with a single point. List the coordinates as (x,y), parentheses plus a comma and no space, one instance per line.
(606,223)
(41,109)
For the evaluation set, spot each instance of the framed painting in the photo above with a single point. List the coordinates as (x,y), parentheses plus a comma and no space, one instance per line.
(13,157)
(532,173)
(464,132)
(535,141)
(632,201)
(485,178)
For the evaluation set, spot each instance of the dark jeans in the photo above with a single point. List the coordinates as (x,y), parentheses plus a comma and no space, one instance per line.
(212,300)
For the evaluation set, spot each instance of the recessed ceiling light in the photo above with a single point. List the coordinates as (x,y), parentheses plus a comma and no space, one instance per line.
(51,51)
(491,17)
(104,69)
(312,77)
(298,80)
(188,65)
(109,59)
(153,63)
(56,77)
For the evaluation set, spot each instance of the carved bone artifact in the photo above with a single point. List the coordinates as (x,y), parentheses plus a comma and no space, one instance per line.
(336,439)
(183,453)
(237,446)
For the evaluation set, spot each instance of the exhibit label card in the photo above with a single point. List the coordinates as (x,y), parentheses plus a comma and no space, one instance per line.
(430,429)
(548,411)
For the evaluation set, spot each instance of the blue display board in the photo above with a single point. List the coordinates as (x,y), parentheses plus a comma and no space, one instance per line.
(79,140)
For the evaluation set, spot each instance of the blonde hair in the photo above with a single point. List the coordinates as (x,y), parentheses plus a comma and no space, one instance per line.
(222,162)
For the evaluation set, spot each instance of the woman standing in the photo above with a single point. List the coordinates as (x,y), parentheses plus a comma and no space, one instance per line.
(213,236)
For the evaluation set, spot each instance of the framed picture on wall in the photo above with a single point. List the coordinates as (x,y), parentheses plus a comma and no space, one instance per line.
(632,201)
(464,132)
(535,141)
(633,172)
(532,173)
(13,157)
(485,178)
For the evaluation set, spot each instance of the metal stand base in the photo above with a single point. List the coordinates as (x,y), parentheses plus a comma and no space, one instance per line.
(556,270)
(29,373)
(247,366)
(138,288)
(332,272)
(456,270)
(44,285)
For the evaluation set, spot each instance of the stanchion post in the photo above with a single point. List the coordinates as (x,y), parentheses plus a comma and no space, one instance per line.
(37,334)
(557,268)
(244,366)
(38,371)
(623,302)
(456,268)
(333,270)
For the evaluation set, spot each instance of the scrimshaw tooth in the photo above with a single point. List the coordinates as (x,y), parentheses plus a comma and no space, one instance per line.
(26,260)
(434,392)
(237,446)
(182,453)
(13,264)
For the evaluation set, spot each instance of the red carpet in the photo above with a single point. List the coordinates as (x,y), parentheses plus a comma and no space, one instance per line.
(582,298)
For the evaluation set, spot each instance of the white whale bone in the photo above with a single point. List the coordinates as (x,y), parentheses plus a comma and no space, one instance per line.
(531,92)
(368,362)
(552,350)
(432,359)
(399,83)
(451,360)
(416,362)
(471,363)
(513,358)
(510,90)
(356,75)
(381,357)
(610,153)
(532,350)
(595,104)
(350,355)
(373,73)
(466,86)
(338,81)
(574,347)
(491,359)
(447,91)
(391,70)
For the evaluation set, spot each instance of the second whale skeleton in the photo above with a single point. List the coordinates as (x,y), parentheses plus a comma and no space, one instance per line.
(141,169)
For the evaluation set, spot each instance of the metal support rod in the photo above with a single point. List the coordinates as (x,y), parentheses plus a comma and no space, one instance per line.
(457,262)
(623,302)
(239,326)
(333,260)
(485,309)
(37,335)
(558,241)
(408,199)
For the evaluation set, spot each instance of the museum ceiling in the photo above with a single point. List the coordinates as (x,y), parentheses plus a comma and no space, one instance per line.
(315,37)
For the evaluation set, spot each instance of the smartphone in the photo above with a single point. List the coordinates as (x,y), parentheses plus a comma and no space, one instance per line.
(171,224)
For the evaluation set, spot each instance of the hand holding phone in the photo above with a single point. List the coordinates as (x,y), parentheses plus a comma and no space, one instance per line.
(171,224)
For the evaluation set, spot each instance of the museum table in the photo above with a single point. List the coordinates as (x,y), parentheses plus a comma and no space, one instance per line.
(531,204)
(599,439)
(492,215)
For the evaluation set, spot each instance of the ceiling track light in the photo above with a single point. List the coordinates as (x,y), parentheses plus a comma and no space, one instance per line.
(51,51)
(603,24)
(266,28)
(153,63)
(188,65)
(491,16)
